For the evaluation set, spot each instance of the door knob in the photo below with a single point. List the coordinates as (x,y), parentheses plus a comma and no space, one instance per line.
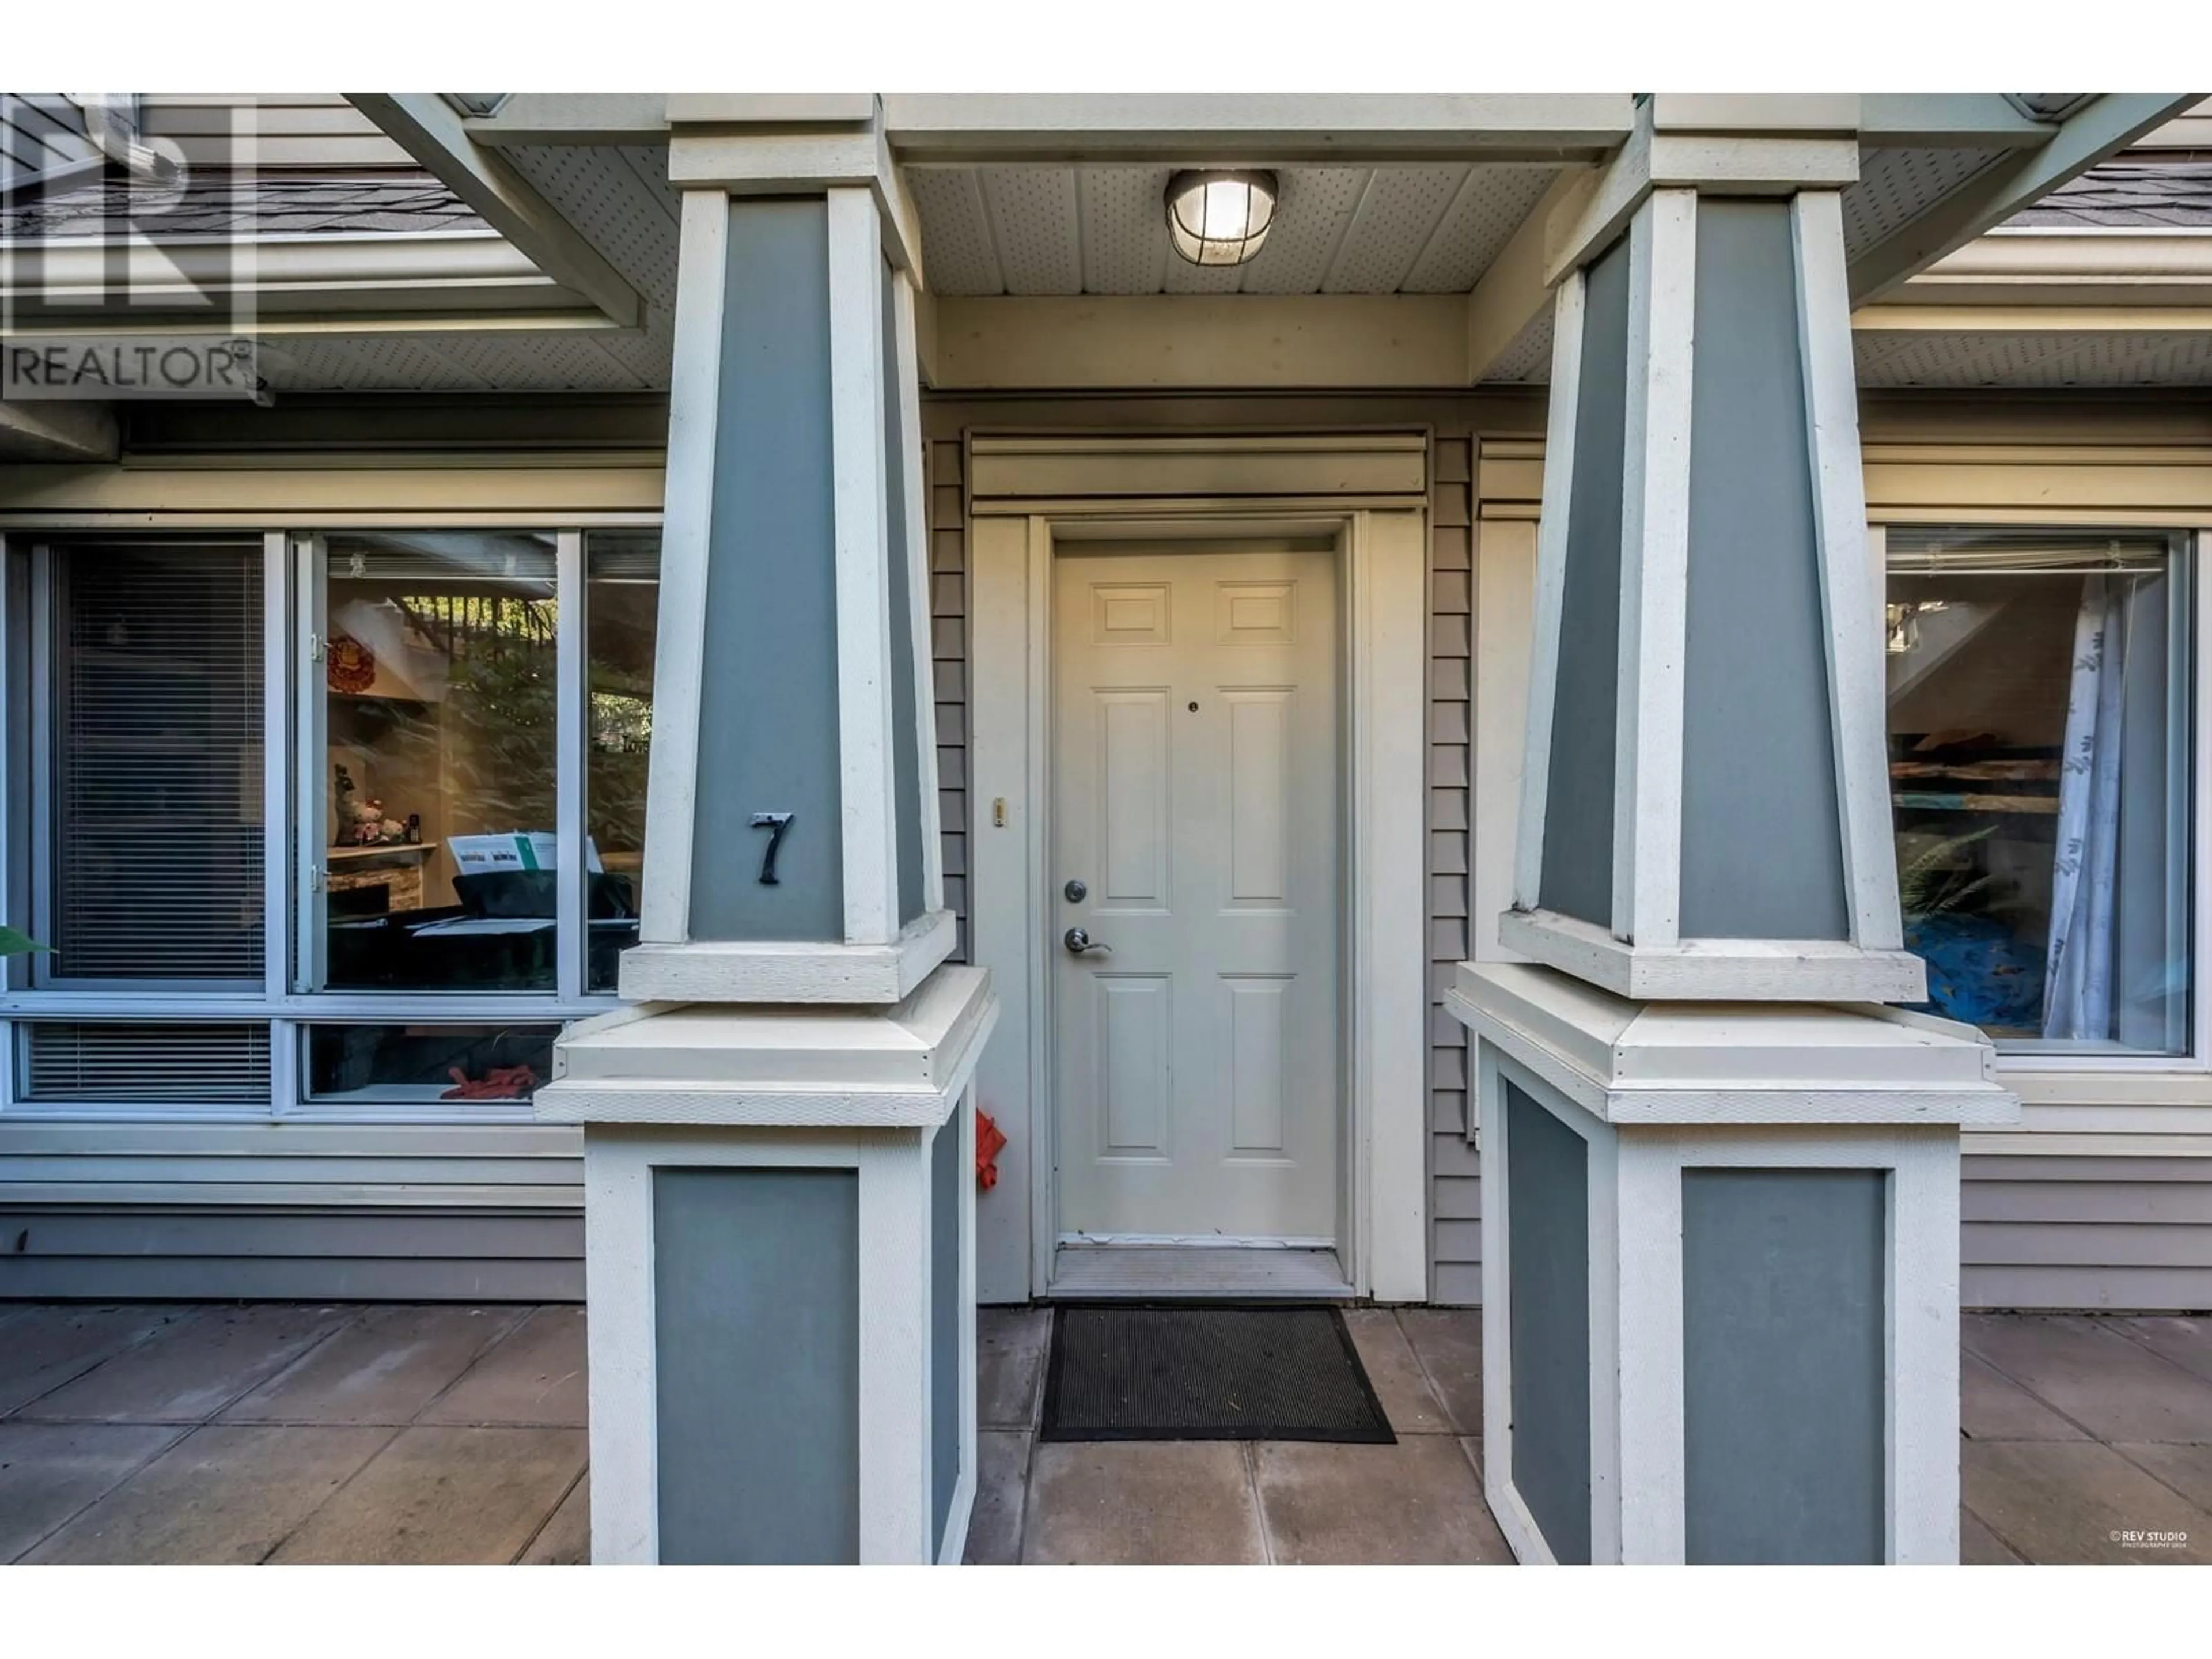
(1079,943)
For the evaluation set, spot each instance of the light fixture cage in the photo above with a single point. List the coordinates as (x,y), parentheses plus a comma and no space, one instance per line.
(1220,217)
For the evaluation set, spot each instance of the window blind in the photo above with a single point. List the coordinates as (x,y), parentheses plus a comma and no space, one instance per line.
(128,1062)
(157,823)
(1916,550)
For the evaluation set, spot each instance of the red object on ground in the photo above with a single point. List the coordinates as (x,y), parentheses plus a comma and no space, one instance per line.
(990,1141)
(499,1083)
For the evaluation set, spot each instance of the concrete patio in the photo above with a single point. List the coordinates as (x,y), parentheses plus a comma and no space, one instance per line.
(283,1433)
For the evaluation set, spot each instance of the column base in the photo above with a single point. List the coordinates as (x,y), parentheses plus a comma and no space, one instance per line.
(780,1208)
(1720,1262)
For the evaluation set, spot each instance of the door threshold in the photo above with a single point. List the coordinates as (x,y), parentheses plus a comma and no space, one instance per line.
(1106,1272)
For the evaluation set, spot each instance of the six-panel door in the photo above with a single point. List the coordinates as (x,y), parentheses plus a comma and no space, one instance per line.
(1196,798)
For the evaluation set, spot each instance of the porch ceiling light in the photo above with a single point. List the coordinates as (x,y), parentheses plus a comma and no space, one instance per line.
(1220,218)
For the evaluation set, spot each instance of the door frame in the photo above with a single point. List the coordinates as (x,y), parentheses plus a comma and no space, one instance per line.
(1381,541)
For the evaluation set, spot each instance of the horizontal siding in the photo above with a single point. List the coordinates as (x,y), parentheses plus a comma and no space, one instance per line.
(488,1212)
(302,130)
(2086,1232)
(1454,1183)
(942,477)
(396,1276)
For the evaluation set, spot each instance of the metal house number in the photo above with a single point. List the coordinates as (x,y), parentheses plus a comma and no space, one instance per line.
(775,824)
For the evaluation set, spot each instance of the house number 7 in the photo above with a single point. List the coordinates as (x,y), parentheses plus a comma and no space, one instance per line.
(775,824)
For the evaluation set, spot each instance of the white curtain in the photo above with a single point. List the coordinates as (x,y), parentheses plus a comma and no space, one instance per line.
(2077,996)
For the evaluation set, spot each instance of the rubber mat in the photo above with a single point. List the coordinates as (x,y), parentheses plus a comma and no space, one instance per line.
(1202,1371)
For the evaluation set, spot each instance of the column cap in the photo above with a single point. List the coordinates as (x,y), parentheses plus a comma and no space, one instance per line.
(701,1064)
(1722,1063)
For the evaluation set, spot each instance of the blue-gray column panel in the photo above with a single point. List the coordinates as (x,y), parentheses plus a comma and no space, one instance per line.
(756,1355)
(1762,841)
(1783,1319)
(1547,1286)
(1576,875)
(767,693)
(915,816)
(945,1319)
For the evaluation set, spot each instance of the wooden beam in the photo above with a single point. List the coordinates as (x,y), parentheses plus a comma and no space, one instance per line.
(1225,341)
(57,430)
(1947,120)
(1994,195)
(436,136)
(1344,129)
(1894,318)
(574,117)
(1513,291)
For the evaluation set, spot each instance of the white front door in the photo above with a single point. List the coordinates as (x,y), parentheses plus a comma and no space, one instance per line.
(1196,802)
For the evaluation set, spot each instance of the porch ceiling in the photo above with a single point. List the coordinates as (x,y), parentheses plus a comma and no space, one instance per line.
(1416,228)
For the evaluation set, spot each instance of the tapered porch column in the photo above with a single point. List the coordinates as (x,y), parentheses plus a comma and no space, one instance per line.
(1720,1179)
(778,1144)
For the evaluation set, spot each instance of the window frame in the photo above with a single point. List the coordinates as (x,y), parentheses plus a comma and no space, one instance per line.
(292,805)
(2192,615)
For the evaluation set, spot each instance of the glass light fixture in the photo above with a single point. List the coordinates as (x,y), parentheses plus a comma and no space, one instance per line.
(1220,218)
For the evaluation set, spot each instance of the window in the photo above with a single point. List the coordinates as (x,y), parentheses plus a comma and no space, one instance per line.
(153,837)
(444,865)
(2038,691)
(426,1064)
(441,681)
(620,613)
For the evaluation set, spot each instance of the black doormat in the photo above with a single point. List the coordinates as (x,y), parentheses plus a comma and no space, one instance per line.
(1204,1371)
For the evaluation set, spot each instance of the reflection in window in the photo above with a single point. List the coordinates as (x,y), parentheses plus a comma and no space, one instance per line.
(420,1065)
(620,613)
(440,685)
(2037,687)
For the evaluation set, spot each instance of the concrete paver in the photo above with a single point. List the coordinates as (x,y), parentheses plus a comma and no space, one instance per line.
(444,1433)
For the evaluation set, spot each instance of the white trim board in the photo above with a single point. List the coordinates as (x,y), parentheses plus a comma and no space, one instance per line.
(1385,1249)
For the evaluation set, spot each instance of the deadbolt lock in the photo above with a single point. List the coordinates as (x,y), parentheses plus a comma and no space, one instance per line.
(1076,891)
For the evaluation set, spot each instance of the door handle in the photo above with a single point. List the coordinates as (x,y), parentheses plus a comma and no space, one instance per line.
(1079,943)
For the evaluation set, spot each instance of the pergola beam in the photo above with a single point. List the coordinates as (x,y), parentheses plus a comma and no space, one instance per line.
(57,430)
(1345,128)
(1947,120)
(438,136)
(2077,144)
(574,117)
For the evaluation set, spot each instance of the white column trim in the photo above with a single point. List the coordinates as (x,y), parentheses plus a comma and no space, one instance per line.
(1655,560)
(953,1545)
(1551,584)
(868,791)
(1856,695)
(894,1342)
(1389,1005)
(1646,1350)
(679,656)
(906,364)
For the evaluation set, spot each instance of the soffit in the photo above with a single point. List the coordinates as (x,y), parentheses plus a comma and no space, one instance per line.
(619,197)
(1416,228)
(2148,357)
